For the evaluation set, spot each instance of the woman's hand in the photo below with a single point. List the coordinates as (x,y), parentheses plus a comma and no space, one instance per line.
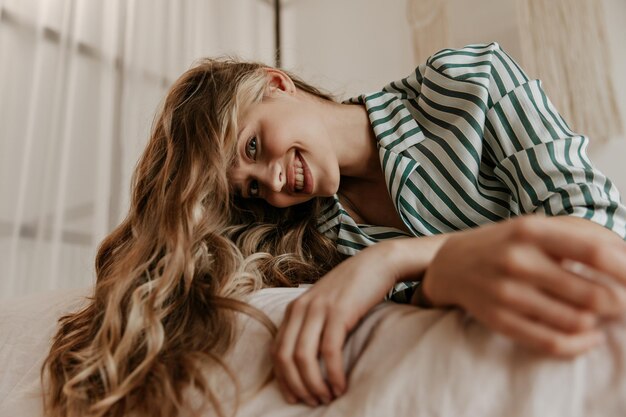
(317,323)
(512,276)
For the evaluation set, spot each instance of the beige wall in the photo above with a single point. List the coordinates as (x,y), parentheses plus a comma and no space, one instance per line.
(355,46)
(611,158)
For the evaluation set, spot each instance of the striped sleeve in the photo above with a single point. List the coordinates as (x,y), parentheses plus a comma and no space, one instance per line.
(539,158)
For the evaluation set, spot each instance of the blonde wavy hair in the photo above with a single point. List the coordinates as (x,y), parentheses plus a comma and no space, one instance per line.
(172,277)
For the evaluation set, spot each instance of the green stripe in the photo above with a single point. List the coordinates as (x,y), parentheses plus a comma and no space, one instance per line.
(405,135)
(523,118)
(479,45)
(537,169)
(494,188)
(418,75)
(497,108)
(586,194)
(357,230)
(613,206)
(488,158)
(403,179)
(390,116)
(329,208)
(467,144)
(542,117)
(374,96)
(465,65)
(508,58)
(443,74)
(472,98)
(526,185)
(350,244)
(506,66)
(489,128)
(392,176)
(569,178)
(381,106)
(558,120)
(410,88)
(406,119)
(408,208)
(496,77)
(452,154)
(466,77)
(388,235)
(513,188)
(429,207)
(445,174)
(396,90)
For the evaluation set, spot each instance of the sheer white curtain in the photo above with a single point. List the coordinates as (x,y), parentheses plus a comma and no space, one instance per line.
(80,81)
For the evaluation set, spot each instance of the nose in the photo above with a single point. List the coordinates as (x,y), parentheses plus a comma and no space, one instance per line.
(274,178)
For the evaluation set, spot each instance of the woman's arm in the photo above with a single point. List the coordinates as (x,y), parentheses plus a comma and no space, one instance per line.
(512,277)
(317,323)
(508,275)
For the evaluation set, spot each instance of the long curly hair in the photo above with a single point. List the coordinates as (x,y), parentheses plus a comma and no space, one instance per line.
(172,277)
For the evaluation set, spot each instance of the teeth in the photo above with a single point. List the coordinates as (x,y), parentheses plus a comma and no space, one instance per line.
(299,179)
(299,183)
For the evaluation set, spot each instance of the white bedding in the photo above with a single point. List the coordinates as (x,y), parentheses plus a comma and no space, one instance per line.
(401,361)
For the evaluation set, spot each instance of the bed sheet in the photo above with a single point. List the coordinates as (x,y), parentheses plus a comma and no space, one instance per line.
(400,360)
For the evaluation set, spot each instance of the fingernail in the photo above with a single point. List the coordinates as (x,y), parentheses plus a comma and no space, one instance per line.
(325,399)
(337,391)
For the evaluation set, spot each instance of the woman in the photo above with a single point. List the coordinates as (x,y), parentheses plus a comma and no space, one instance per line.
(253,178)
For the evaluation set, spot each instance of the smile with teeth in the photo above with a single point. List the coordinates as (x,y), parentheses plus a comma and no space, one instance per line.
(299,183)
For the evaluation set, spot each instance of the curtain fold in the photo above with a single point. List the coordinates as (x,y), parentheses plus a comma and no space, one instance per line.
(564,43)
(428,20)
(80,81)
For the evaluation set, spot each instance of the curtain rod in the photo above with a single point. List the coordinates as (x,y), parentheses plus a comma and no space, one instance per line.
(277,32)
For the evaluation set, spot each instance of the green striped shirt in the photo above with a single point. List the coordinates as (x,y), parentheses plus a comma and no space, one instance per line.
(468,139)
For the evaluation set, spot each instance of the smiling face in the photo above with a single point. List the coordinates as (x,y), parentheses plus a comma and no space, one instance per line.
(284,153)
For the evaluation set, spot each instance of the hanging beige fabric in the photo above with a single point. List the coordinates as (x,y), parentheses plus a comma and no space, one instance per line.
(564,44)
(429,27)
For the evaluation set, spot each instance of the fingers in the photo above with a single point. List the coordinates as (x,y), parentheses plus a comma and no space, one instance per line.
(540,337)
(284,388)
(331,349)
(534,267)
(306,354)
(285,369)
(539,306)
(564,241)
(296,364)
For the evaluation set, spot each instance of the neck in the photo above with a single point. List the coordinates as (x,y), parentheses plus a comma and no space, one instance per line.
(353,137)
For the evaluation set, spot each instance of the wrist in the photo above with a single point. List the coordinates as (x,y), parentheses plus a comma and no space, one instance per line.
(409,257)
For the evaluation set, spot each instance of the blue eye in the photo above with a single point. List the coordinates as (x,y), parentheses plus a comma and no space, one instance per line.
(253,191)
(251,148)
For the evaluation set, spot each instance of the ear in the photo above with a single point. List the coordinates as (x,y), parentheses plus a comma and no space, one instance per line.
(278,82)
